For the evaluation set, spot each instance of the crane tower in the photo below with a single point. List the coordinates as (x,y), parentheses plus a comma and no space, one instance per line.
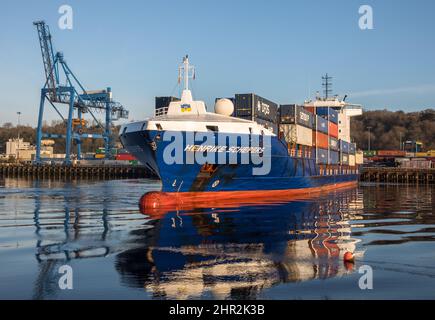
(79,101)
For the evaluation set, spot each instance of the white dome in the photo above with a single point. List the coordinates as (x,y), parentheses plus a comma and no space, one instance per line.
(224,107)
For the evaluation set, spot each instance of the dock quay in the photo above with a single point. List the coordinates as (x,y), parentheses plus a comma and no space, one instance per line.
(74,171)
(398,175)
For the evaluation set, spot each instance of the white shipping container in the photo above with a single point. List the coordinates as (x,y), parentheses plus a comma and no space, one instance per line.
(352,159)
(416,164)
(359,157)
(294,133)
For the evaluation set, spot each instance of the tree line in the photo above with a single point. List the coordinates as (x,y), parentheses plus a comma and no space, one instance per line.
(388,129)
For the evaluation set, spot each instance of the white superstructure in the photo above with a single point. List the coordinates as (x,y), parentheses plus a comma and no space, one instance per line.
(191,115)
(345,112)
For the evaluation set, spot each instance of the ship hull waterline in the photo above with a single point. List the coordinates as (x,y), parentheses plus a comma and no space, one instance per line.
(287,174)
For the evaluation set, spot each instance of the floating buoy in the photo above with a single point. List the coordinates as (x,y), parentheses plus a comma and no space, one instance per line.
(348,257)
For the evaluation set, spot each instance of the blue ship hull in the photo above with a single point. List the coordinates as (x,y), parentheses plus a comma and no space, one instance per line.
(286,172)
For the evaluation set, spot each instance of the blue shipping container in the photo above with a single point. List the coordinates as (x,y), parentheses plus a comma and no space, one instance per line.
(352,148)
(328,113)
(344,146)
(321,124)
(333,144)
(322,156)
(344,158)
(334,157)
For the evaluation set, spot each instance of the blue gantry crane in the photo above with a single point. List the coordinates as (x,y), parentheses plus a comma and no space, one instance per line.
(57,71)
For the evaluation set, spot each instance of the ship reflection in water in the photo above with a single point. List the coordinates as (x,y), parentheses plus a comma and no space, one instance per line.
(202,247)
(235,247)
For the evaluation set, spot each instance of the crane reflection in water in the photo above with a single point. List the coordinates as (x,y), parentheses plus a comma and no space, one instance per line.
(203,246)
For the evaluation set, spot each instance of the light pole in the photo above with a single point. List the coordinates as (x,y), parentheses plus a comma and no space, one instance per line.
(400,139)
(369,137)
(18,128)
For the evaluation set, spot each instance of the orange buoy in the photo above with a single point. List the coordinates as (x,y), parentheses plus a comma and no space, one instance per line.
(348,257)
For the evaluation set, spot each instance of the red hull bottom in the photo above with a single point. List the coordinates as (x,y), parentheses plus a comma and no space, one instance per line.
(157,204)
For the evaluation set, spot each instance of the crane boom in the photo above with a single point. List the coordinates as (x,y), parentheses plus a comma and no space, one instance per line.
(86,101)
(47,57)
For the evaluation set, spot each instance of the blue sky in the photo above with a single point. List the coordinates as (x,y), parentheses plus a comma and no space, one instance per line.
(278,49)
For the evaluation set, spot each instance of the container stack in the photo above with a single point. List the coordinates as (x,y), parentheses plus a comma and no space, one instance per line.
(321,139)
(352,152)
(310,132)
(162,104)
(252,107)
(344,152)
(295,127)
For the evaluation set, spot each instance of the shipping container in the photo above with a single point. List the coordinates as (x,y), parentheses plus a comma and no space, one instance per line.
(294,114)
(344,146)
(255,107)
(344,158)
(322,156)
(125,156)
(309,109)
(391,153)
(296,134)
(412,146)
(416,164)
(352,160)
(334,157)
(328,113)
(430,153)
(369,154)
(333,144)
(359,157)
(320,140)
(352,148)
(163,102)
(321,124)
(271,126)
(420,154)
(333,129)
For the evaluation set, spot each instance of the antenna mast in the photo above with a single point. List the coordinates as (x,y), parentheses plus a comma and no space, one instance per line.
(187,71)
(327,84)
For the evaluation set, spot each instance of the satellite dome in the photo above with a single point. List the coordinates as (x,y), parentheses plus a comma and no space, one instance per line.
(224,107)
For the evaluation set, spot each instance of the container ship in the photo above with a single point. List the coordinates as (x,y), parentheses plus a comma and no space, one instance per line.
(248,144)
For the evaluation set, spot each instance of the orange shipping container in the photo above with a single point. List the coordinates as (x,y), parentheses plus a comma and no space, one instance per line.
(333,129)
(310,109)
(320,140)
(391,153)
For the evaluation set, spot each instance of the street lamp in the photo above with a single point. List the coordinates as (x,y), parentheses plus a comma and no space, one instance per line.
(369,137)
(400,142)
(18,128)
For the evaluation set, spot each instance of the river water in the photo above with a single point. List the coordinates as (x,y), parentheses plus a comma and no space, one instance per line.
(121,245)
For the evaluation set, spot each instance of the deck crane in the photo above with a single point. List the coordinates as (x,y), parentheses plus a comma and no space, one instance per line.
(57,70)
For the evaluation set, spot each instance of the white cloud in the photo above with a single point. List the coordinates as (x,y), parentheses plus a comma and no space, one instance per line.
(424,88)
